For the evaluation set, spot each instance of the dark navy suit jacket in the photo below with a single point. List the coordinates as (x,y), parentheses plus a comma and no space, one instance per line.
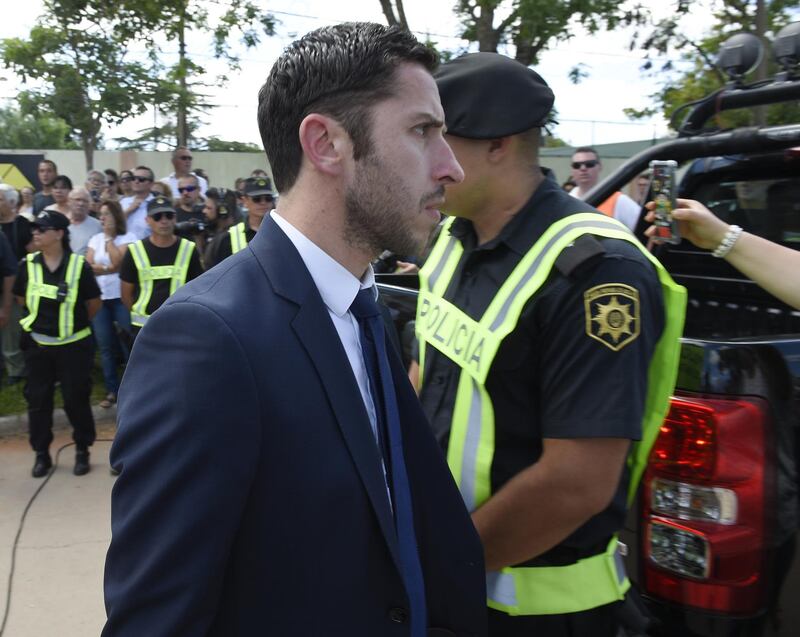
(251,499)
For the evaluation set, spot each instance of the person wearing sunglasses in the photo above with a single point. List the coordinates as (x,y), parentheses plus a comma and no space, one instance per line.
(155,267)
(586,167)
(182,163)
(125,183)
(60,297)
(258,199)
(135,205)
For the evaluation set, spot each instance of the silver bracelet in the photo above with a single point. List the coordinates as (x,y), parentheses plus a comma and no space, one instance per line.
(728,241)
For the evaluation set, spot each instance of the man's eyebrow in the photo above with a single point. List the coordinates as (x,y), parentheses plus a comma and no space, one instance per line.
(428,120)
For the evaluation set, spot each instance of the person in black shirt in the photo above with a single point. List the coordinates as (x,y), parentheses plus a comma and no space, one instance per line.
(220,212)
(174,260)
(258,199)
(47,175)
(60,295)
(535,350)
(17,230)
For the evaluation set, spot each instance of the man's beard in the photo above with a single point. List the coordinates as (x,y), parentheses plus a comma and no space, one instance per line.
(377,211)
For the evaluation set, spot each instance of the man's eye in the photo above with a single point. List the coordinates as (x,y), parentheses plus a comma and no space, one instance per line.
(421,130)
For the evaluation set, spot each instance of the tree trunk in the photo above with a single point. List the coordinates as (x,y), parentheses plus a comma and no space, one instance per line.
(760,112)
(391,18)
(182,132)
(488,37)
(88,151)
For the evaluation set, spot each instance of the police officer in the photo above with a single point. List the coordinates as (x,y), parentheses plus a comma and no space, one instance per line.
(60,296)
(153,268)
(539,320)
(258,199)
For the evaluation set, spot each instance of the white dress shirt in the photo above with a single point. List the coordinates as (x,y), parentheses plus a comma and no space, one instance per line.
(137,220)
(338,289)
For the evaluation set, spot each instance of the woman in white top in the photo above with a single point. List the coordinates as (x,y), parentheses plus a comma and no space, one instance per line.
(104,254)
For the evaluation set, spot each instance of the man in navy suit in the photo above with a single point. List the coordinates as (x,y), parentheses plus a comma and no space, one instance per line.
(255,496)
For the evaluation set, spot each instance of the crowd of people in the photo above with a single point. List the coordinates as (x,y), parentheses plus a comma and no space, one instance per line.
(132,241)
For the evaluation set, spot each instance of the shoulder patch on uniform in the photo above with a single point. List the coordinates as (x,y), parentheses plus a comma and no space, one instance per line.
(612,314)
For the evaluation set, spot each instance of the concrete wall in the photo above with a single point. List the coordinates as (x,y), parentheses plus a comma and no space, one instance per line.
(222,168)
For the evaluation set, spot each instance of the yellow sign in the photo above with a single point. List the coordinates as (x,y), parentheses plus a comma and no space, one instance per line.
(11,175)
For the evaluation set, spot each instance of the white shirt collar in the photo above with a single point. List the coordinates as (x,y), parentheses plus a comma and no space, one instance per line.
(336,285)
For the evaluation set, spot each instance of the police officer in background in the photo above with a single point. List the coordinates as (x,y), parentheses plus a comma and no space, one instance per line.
(60,295)
(258,200)
(538,320)
(154,268)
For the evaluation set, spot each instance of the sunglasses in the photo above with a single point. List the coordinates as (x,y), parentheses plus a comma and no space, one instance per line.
(110,182)
(187,189)
(142,180)
(262,199)
(185,157)
(40,229)
(589,163)
(168,214)
(126,179)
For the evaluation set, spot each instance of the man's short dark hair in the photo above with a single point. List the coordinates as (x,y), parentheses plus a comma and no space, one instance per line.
(52,164)
(586,149)
(62,181)
(149,170)
(340,71)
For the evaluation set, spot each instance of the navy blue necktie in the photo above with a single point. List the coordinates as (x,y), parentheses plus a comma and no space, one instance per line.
(373,345)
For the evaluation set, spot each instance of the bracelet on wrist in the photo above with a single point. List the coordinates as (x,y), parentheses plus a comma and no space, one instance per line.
(728,241)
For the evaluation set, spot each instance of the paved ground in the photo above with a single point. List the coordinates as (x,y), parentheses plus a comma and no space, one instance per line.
(56,587)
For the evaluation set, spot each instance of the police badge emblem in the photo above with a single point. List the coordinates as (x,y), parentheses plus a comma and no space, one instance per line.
(612,314)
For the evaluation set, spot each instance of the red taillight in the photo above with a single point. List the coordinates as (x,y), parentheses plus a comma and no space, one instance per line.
(704,506)
(686,445)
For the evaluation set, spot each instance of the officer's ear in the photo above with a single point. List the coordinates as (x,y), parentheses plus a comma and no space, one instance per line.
(498,149)
(325,143)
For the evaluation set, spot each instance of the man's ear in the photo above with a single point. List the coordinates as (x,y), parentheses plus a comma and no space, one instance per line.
(325,143)
(498,149)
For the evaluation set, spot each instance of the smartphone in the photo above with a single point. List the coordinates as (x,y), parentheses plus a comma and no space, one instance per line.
(662,189)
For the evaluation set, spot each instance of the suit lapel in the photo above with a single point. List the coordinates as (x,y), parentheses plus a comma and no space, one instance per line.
(314,328)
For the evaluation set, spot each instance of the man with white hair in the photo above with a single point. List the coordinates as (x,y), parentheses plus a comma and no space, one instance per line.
(82,227)
(182,162)
(17,230)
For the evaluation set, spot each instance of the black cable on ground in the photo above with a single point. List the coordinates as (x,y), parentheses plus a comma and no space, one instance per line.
(14,546)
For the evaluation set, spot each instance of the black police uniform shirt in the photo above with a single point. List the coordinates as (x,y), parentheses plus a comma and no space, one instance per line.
(47,317)
(8,262)
(225,250)
(158,257)
(550,378)
(19,235)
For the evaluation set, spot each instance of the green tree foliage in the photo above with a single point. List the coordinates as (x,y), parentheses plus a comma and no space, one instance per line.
(531,26)
(75,62)
(699,76)
(224,22)
(18,130)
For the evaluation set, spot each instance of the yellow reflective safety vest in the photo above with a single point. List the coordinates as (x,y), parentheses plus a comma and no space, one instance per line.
(37,289)
(176,272)
(472,345)
(238,237)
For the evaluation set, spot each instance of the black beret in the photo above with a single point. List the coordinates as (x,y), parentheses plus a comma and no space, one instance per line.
(159,203)
(488,95)
(50,219)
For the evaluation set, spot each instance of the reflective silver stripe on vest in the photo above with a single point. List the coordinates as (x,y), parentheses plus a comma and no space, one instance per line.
(500,588)
(437,272)
(139,319)
(472,441)
(501,316)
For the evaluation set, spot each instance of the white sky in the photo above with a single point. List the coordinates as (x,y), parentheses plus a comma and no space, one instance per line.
(590,112)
